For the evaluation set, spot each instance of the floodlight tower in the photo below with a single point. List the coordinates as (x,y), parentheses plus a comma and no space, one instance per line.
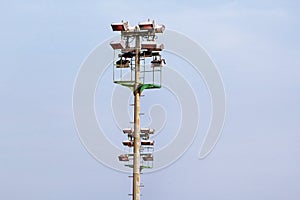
(138,43)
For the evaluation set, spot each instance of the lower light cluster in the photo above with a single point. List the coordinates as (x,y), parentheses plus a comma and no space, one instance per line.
(146,150)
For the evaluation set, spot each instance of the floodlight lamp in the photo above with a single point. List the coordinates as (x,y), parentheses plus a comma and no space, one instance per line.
(128,54)
(118,45)
(122,26)
(152,46)
(151,131)
(128,143)
(122,63)
(147,142)
(145,130)
(158,63)
(146,25)
(127,130)
(160,28)
(148,157)
(148,45)
(123,157)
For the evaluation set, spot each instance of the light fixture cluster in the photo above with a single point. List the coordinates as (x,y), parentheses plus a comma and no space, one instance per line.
(144,133)
(149,47)
(142,26)
(146,144)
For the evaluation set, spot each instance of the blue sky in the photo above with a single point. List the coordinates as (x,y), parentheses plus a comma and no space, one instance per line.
(255,46)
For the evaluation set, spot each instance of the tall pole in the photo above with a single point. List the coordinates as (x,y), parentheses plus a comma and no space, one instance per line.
(144,30)
(137,140)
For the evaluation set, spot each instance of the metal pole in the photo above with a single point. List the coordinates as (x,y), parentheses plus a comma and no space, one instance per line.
(137,142)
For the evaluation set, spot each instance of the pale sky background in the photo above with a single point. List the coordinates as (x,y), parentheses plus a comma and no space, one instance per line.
(255,46)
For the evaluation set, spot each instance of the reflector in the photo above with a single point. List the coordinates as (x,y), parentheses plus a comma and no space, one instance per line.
(119,26)
(146,25)
(117,45)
